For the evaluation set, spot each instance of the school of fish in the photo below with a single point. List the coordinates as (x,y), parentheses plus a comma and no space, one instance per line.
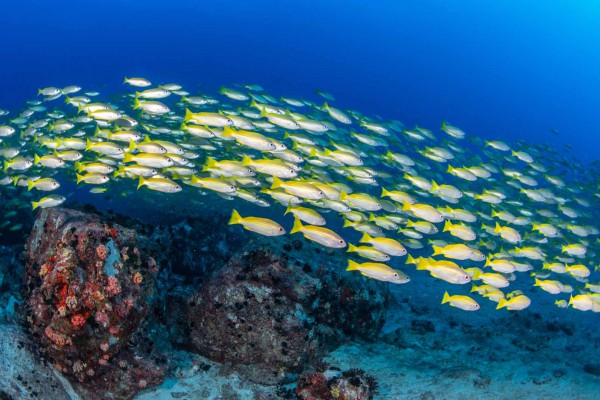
(478,213)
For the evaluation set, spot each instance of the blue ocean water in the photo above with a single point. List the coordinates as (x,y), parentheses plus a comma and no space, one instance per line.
(507,69)
(498,70)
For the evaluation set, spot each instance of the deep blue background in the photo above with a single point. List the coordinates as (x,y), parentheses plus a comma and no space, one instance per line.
(499,69)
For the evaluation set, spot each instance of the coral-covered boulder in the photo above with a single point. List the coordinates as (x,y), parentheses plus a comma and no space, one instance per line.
(87,286)
(271,313)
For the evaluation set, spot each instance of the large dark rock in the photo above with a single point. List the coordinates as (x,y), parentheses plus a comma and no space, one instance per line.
(270,313)
(88,281)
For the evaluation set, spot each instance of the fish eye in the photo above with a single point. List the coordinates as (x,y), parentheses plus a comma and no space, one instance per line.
(341,242)
(280,229)
(395,274)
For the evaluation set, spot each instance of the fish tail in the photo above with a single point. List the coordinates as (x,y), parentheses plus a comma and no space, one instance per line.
(474,288)
(347,223)
(246,161)
(447,226)
(36,159)
(276,183)
(227,132)
(501,304)
(188,115)
(410,260)
(446,298)
(288,209)
(352,265)
(434,186)
(35,204)
(371,217)
(128,157)
(131,147)
(297,225)
(405,206)
(6,165)
(30,184)
(140,182)
(384,192)
(211,163)
(437,250)
(497,228)
(343,196)
(365,238)
(88,145)
(351,248)
(79,178)
(235,219)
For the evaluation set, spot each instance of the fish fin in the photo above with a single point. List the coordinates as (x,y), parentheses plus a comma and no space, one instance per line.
(371,217)
(79,178)
(501,303)
(446,298)
(343,196)
(276,183)
(352,265)
(236,218)
(447,226)
(188,115)
(384,192)
(297,225)
(127,157)
(211,163)
(365,238)
(30,184)
(288,209)
(141,182)
(347,223)
(410,260)
(497,228)
(88,145)
(246,161)
(405,206)
(136,101)
(36,159)
(35,204)
(227,132)
(437,250)
(131,147)
(351,248)
(434,186)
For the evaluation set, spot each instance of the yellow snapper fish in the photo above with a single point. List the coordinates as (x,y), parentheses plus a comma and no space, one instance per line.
(378,271)
(319,234)
(515,303)
(49,201)
(259,225)
(459,301)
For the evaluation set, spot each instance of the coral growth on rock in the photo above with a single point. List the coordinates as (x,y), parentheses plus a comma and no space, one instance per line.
(331,384)
(87,286)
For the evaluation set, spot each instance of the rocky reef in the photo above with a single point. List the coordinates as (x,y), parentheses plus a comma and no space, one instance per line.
(117,306)
(270,314)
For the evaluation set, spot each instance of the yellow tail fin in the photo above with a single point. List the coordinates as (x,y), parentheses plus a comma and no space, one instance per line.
(446,298)
(297,225)
(276,183)
(365,238)
(351,248)
(236,218)
(501,303)
(352,266)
